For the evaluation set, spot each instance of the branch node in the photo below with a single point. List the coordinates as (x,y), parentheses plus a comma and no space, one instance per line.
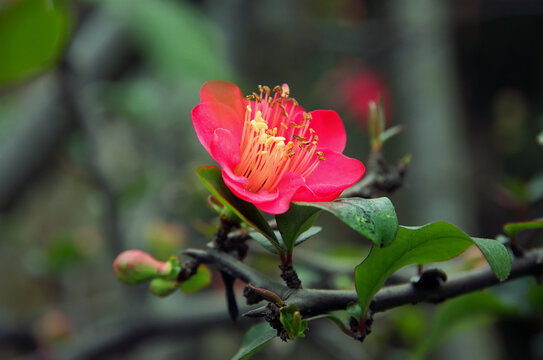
(430,279)
(272,317)
(290,276)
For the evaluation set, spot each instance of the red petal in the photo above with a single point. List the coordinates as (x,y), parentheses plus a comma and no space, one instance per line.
(329,127)
(272,203)
(224,149)
(236,184)
(289,185)
(330,178)
(223,92)
(209,116)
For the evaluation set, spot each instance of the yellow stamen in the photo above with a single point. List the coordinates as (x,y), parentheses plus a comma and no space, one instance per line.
(267,145)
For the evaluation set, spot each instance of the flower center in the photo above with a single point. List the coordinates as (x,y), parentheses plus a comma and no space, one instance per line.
(272,143)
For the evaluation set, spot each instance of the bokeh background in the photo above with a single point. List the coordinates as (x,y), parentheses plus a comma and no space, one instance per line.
(97,155)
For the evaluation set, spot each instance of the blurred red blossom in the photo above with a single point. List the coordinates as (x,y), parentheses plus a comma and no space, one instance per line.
(359,89)
(354,87)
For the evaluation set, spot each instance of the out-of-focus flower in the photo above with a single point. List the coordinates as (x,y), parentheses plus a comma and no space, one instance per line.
(358,89)
(270,150)
(54,325)
(135,266)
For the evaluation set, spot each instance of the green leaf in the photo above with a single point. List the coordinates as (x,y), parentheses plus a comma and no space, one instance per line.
(355,310)
(513,228)
(312,231)
(496,255)
(197,282)
(294,222)
(265,242)
(212,178)
(292,321)
(373,218)
(254,340)
(33,35)
(459,313)
(391,132)
(434,242)
(262,240)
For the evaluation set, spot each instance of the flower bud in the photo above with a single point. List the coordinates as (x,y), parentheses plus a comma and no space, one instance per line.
(135,266)
(163,287)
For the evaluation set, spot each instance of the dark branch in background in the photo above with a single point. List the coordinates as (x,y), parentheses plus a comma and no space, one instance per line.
(69,93)
(381,179)
(30,151)
(128,339)
(20,340)
(33,147)
(313,302)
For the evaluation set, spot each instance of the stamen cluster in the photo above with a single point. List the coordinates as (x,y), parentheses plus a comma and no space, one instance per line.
(273,143)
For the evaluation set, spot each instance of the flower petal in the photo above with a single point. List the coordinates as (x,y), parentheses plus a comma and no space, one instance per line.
(209,116)
(328,125)
(224,150)
(287,188)
(330,178)
(224,92)
(272,203)
(236,184)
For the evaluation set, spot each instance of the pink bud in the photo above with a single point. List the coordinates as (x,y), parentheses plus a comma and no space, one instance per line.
(135,266)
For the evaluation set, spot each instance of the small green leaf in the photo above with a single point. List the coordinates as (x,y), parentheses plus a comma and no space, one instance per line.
(212,178)
(33,35)
(373,218)
(458,313)
(265,242)
(197,282)
(313,230)
(254,340)
(513,228)
(355,310)
(175,268)
(434,242)
(292,321)
(262,240)
(294,222)
(391,132)
(496,255)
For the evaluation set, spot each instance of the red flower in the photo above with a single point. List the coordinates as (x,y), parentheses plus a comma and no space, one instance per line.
(359,89)
(270,150)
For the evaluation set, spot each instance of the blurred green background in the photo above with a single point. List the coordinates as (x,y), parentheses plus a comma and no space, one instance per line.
(97,155)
